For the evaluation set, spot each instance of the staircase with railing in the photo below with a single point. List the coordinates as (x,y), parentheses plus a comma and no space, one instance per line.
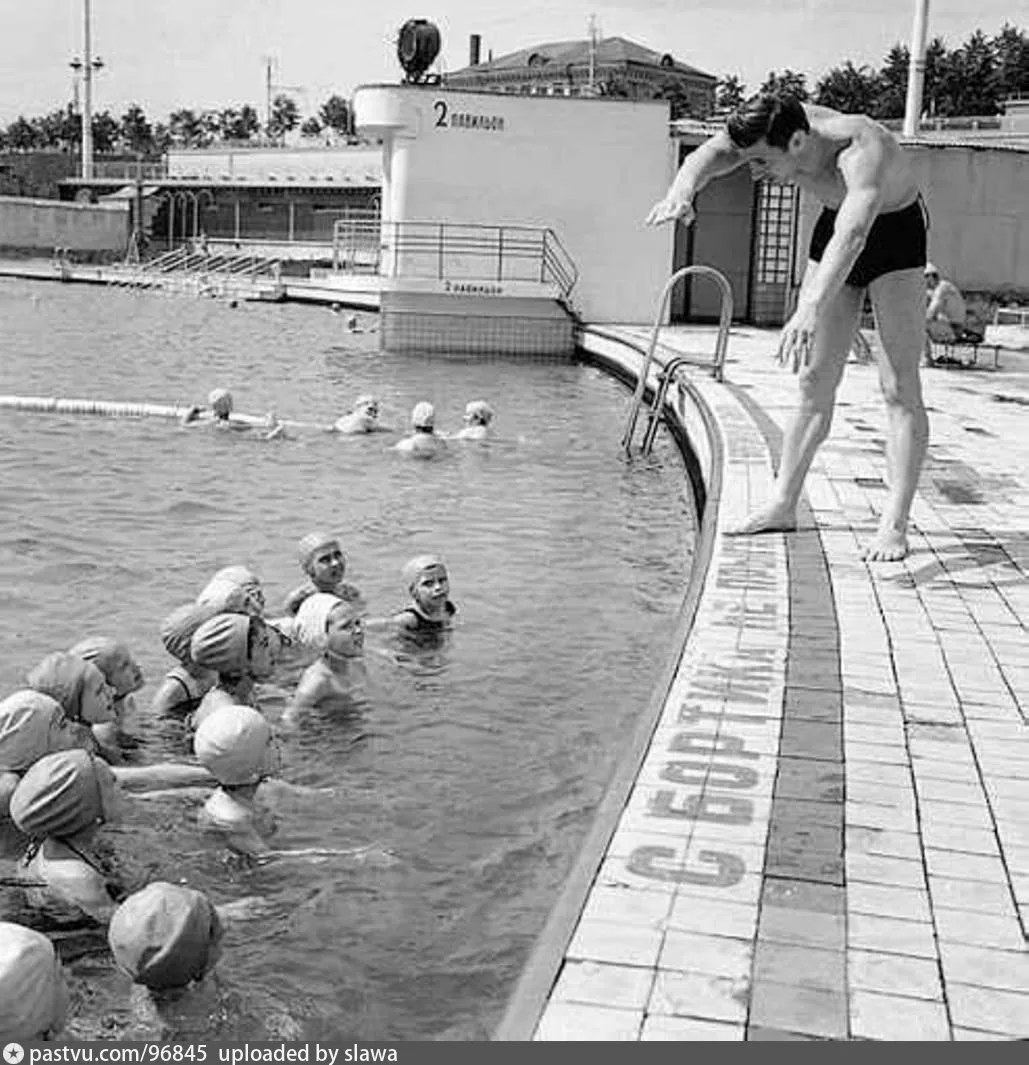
(193,271)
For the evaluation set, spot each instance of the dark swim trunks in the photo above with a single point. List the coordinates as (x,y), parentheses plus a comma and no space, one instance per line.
(897,241)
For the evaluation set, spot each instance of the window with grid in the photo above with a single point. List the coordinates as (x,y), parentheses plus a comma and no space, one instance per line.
(773,251)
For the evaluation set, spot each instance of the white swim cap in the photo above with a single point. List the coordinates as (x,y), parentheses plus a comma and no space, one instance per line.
(60,795)
(311,544)
(220,401)
(423,416)
(33,993)
(165,936)
(931,271)
(178,627)
(366,401)
(63,677)
(312,618)
(31,725)
(234,745)
(222,643)
(413,569)
(232,585)
(479,412)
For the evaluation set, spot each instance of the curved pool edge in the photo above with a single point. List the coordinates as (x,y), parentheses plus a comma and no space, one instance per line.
(695,430)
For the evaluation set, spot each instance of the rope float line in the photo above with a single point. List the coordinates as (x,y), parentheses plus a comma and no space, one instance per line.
(52,405)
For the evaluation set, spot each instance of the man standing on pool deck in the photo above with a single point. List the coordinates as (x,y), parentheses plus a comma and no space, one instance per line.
(871,235)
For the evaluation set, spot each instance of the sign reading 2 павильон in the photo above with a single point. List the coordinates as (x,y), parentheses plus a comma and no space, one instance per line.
(448,119)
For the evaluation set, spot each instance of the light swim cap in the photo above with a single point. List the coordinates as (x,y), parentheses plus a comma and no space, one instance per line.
(225,597)
(365,402)
(313,616)
(221,585)
(423,416)
(931,271)
(311,544)
(220,401)
(106,654)
(60,795)
(64,677)
(31,726)
(221,643)
(414,569)
(33,993)
(8,784)
(178,627)
(165,936)
(234,745)
(478,412)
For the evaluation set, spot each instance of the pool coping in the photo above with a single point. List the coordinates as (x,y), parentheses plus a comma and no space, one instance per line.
(531,994)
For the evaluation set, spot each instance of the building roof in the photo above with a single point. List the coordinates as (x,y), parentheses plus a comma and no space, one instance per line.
(559,54)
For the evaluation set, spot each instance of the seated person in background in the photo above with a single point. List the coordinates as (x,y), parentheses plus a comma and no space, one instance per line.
(186,683)
(335,675)
(321,558)
(431,610)
(238,648)
(478,415)
(363,418)
(33,992)
(424,442)
(945,311)
(123,675)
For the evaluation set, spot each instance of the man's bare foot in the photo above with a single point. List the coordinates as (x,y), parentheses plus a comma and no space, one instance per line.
(889,545)
(773,518)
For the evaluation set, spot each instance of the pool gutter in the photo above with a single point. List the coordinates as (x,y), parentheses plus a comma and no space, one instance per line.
(695,431)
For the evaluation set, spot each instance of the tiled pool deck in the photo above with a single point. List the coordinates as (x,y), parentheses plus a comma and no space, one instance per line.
(829,833)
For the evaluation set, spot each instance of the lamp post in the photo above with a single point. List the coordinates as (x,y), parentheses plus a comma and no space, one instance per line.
(88,66)
(916,69)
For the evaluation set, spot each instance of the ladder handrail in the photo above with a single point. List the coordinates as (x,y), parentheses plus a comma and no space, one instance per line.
(721,344)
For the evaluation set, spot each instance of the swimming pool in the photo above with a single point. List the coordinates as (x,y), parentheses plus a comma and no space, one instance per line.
(474,773)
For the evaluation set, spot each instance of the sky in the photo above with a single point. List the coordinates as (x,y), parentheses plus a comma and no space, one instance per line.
(167,54)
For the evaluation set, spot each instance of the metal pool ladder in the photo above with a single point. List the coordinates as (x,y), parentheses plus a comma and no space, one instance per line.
(671,367)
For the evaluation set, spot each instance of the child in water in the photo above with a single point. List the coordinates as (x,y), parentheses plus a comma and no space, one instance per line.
(431,610)
(186,683)
(114,659)
(424,442)
(334,676)
(478,415)
(321,558)
(363,417)
(220,403)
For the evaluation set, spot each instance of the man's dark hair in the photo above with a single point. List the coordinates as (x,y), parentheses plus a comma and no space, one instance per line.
(772,117)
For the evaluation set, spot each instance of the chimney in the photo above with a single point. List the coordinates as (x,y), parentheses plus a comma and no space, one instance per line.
(474,48)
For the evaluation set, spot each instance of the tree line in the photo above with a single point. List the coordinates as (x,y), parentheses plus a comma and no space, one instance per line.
(133,132)
(973,79)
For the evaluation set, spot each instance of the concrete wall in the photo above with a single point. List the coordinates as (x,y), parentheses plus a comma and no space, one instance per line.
(589,169)
(978,200)
(42,225)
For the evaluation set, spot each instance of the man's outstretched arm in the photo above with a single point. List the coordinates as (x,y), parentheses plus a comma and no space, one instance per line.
(716,156)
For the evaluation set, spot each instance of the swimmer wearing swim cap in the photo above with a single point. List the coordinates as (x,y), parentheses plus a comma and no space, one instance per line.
(114,659)
(33,991)
(186,683)
(424,442)
(321,557)
(431,611)
(478,417)
(363,417)
(339,671)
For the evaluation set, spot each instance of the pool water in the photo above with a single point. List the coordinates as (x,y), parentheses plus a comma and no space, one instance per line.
(472,772)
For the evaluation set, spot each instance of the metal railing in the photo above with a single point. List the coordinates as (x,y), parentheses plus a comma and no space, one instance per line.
(357,240)
(127,170)
(458,251)
(670,368)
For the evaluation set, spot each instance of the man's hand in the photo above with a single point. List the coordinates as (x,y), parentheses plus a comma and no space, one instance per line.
(797,340)
(669,209)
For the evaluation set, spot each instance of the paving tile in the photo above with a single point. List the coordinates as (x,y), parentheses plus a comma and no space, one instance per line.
(885,842)
(614,873)
(813,851)
(810,1011)
(758,1034)
(867,815)
(955,865)
(959,838)
(808,811)
(875,754)
(879,736)
(876,869)
(979,929)
(713,917)
(784,963)
(601,984)
(880,1016)
(892,776)
(620,944)
(951,791)
(894,974)
(989,1009)
(807,705)
(799,895)
(951,813)
(887,900)
(716,998)
(711,954)
(874,793)
(981,897)
(970,1035)
(568,1021)
(802,928)
(746,891)
(890,935)
(627,906)
(688,1029)
(1008,970)
(812,739)
(802,778)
